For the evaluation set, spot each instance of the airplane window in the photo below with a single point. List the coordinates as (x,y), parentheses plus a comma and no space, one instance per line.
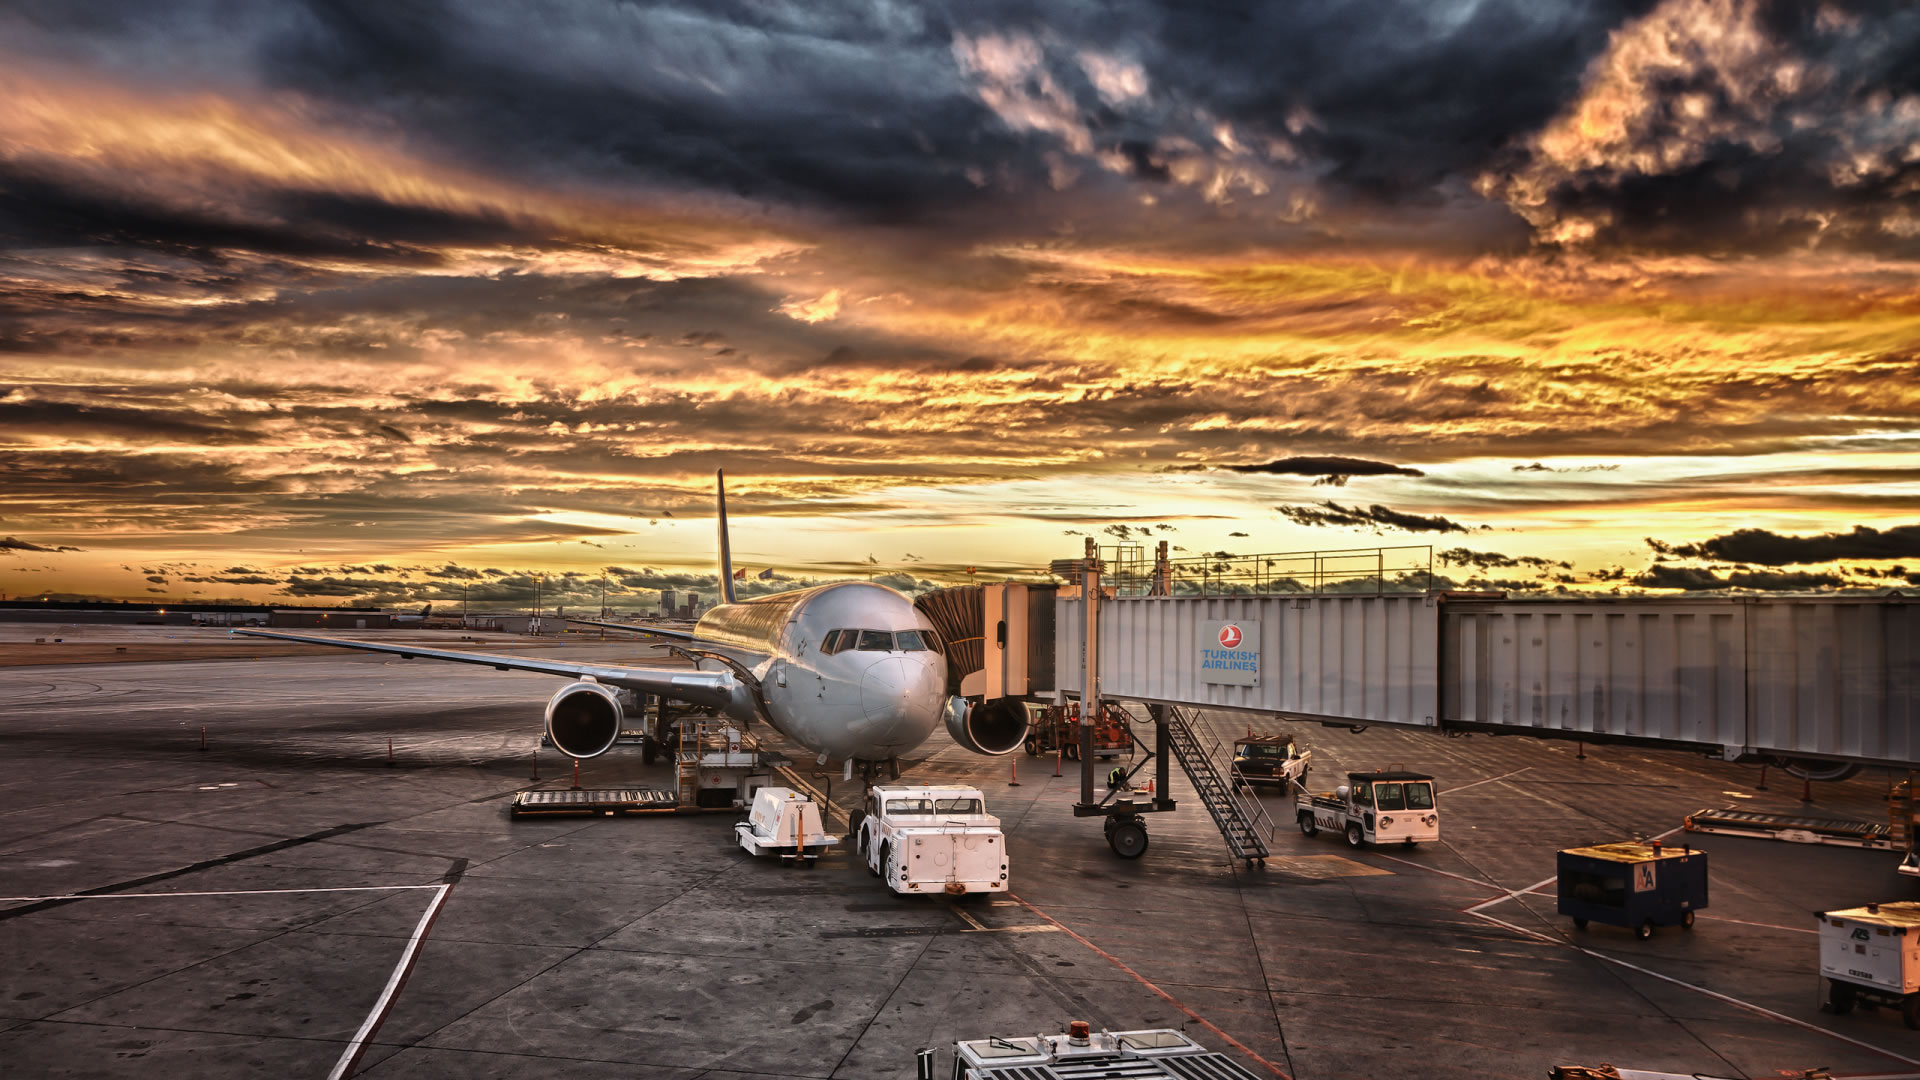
(1388,797)
(909,641)
(876,641)
(1419,796)
(957,806)
(830,644)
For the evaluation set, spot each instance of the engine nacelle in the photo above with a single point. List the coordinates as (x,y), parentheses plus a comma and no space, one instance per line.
(987,727)
(584,719)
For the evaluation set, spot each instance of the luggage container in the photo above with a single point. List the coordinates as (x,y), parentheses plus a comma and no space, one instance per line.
(1631,884)
(1872,954)
(784,823)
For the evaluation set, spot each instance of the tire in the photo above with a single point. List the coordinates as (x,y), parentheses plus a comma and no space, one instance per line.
(1128,839)
(1033,747)
(1840,998)
(1644,930)
(1307,827)
(1910,1011)
(1579,923)
(1073,751)
(1686,920)
(1356,836)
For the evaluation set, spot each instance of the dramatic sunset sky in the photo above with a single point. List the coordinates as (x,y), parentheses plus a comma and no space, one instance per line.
(343,302)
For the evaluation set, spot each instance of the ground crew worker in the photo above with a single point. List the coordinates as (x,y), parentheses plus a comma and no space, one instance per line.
(1117,779)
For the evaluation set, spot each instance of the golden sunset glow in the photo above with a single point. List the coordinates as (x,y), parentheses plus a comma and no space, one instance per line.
(281,317)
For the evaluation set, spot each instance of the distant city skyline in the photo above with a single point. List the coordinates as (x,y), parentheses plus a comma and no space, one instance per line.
(301,303)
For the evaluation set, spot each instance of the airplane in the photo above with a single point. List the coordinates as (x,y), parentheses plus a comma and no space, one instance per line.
(413,620)
(850,670)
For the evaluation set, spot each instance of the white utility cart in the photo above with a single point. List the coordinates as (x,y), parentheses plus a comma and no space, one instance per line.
(1872,954)
(932,839)
(784,823)
(1377,807)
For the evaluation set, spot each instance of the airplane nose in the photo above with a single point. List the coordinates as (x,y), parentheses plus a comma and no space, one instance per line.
(899,688)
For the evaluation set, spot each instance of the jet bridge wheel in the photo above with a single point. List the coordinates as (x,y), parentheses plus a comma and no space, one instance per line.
(1127,836)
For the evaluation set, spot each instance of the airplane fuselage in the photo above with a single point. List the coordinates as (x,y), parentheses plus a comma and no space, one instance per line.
(851,670)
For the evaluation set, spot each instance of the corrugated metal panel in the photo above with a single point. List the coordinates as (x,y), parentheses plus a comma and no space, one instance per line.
(1841,679)
(1827,676)
(1367,659)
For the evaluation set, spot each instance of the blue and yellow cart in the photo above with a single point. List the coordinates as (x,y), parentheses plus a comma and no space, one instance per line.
(1631,884)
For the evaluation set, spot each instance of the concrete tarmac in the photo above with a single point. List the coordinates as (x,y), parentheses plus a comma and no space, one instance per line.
(287,901)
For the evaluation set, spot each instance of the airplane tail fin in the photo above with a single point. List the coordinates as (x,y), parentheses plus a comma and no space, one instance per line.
(726,551)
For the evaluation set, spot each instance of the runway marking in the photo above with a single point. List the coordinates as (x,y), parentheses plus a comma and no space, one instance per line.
(981,928)
(1163,995)
(1324,866)
(1451,792)
(223,892)
(351,1055)
(1715,994)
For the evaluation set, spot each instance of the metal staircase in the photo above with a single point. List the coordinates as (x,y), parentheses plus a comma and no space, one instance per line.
(1238,822)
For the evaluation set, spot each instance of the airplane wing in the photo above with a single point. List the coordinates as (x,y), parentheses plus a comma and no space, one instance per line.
(713,688)
(676,635)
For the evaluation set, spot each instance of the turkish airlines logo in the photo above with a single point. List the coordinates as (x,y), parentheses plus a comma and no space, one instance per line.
(1230,636)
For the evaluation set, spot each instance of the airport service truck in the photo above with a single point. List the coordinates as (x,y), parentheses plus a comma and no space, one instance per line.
(1375,808)
(1872,954)
(924,838)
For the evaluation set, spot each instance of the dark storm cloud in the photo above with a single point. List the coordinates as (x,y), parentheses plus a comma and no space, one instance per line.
(1373,517)
(14,543)
(1695,579)
(1494,560)
(1330,470)
(1769,548)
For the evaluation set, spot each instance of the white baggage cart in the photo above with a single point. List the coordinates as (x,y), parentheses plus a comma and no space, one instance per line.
(784,823)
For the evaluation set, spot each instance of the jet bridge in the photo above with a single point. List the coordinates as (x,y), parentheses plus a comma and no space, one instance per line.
(1811,679)
(1829,682)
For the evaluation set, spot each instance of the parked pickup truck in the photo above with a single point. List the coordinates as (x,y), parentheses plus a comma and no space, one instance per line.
(932,839)
(1375,808)
(1270,760)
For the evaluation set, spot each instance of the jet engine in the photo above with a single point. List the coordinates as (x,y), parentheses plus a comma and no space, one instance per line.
(989,727)
(584,719)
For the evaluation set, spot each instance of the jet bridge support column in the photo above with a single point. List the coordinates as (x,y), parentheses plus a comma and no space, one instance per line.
(1090,669)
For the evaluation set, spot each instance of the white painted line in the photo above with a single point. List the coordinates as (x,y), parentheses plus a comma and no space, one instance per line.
(352,1052)
(1762,925)
(1716,995)
(1475,909)
(228,892)
(1434,870)
(1451,792)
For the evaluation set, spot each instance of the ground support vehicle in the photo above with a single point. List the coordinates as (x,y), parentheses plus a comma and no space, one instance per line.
(932,838)
(1631,884)
(784,823)
(1056,729)
(1270,761)
(1085,1053)
(1377,807)
(1871,955)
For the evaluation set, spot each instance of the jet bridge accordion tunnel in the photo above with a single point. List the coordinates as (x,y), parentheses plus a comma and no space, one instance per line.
(1000,648)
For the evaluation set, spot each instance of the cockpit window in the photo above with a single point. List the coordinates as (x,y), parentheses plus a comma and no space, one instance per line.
(932,639)
(876,641)
(909,641)
(830,644)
